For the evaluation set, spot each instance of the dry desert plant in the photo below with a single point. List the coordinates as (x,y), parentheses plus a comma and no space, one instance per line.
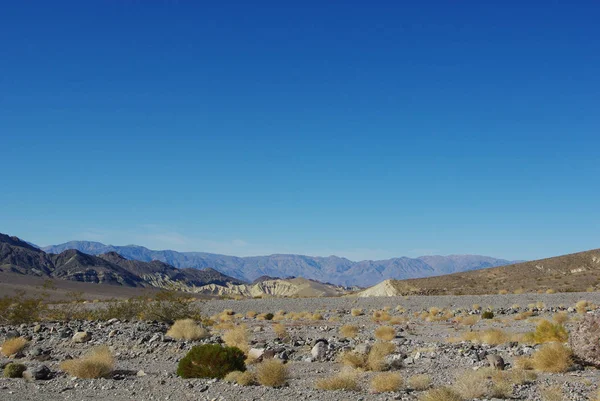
(386,333)
(377,354)
(441,394)
(349,331)
(345,380)
(99,362)
(472,384)
(242,378)
(552,393)
(582,306)
(552,358)
(237,337)
(281,331)
(13,345)
(419,382)
(356,312)
(271,373)
(353,360)
(546,332)
(386,382)
(187,329)
(561,317)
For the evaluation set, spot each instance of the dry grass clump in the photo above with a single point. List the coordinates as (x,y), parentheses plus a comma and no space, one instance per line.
(550,291)
(386,333)
(242,378)
(523,315)
(13,345)
(476,307)
(398,320)
(441,394)
(379,350)
(99,362)
(519,291)
(552,393)
(524,363)
(356,312)
(316,316)
(281,331)
(187,329)
(237,336)
(489,336)
(354,360)
(345,380)
(251,314)
(561,318)
(271,373)
(381,316)
(552,358)
(503,292)
(546,332)
(419,382)
(386,382)
(470,320)
(471,385)
(349,331)
(582,306)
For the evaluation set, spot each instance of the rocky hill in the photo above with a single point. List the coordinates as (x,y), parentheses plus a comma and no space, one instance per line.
(567,273)
(17,256)
(331,269)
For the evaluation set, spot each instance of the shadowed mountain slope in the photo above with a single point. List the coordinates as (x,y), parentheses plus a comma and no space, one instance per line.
(331,269)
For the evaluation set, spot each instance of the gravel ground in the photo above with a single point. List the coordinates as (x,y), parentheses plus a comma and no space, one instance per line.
(422,346)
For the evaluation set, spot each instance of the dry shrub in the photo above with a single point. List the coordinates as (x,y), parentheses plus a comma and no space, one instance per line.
(489,336)
(523,315)
(470,320)
(13,345)
(519,291)
(316,316)
(398,320)
(552,358)
(502,292)
(386,333)
(242,378)
(379,350)
(476,307)
(552,393)
(99,362)
(237,336)
(561,318)
(271,373)
(471,384)
(251,314)
(386,382)
(345,380)
(281,331)
(380,316)
(353,360)
(419,382)
(524,363)
(522,376)
(441,394)
(546,332)
(349,331)
(582,306)
(187,329)
(356,312)
(550,291)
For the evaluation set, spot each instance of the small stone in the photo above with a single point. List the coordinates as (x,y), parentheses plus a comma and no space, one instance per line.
(141,373)
(496,362)
(81,337)
(41,372)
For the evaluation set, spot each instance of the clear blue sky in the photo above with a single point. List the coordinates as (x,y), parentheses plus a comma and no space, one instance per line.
(260,127)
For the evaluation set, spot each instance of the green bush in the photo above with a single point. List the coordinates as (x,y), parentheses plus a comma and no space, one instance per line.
(211,360)
(488,314)
(269,316)
(14,370)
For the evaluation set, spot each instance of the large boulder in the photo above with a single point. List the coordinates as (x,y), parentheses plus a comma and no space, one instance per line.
(584,340)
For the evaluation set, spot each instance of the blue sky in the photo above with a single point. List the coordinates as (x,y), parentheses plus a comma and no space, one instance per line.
(245,128)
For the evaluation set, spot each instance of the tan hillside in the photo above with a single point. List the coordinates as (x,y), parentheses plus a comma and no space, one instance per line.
(567,273)
(296,287)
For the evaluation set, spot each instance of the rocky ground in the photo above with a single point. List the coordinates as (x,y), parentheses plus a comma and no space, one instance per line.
(146,359)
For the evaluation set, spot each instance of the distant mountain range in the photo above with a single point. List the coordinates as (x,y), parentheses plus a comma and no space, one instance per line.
(17,256)
(331,269)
